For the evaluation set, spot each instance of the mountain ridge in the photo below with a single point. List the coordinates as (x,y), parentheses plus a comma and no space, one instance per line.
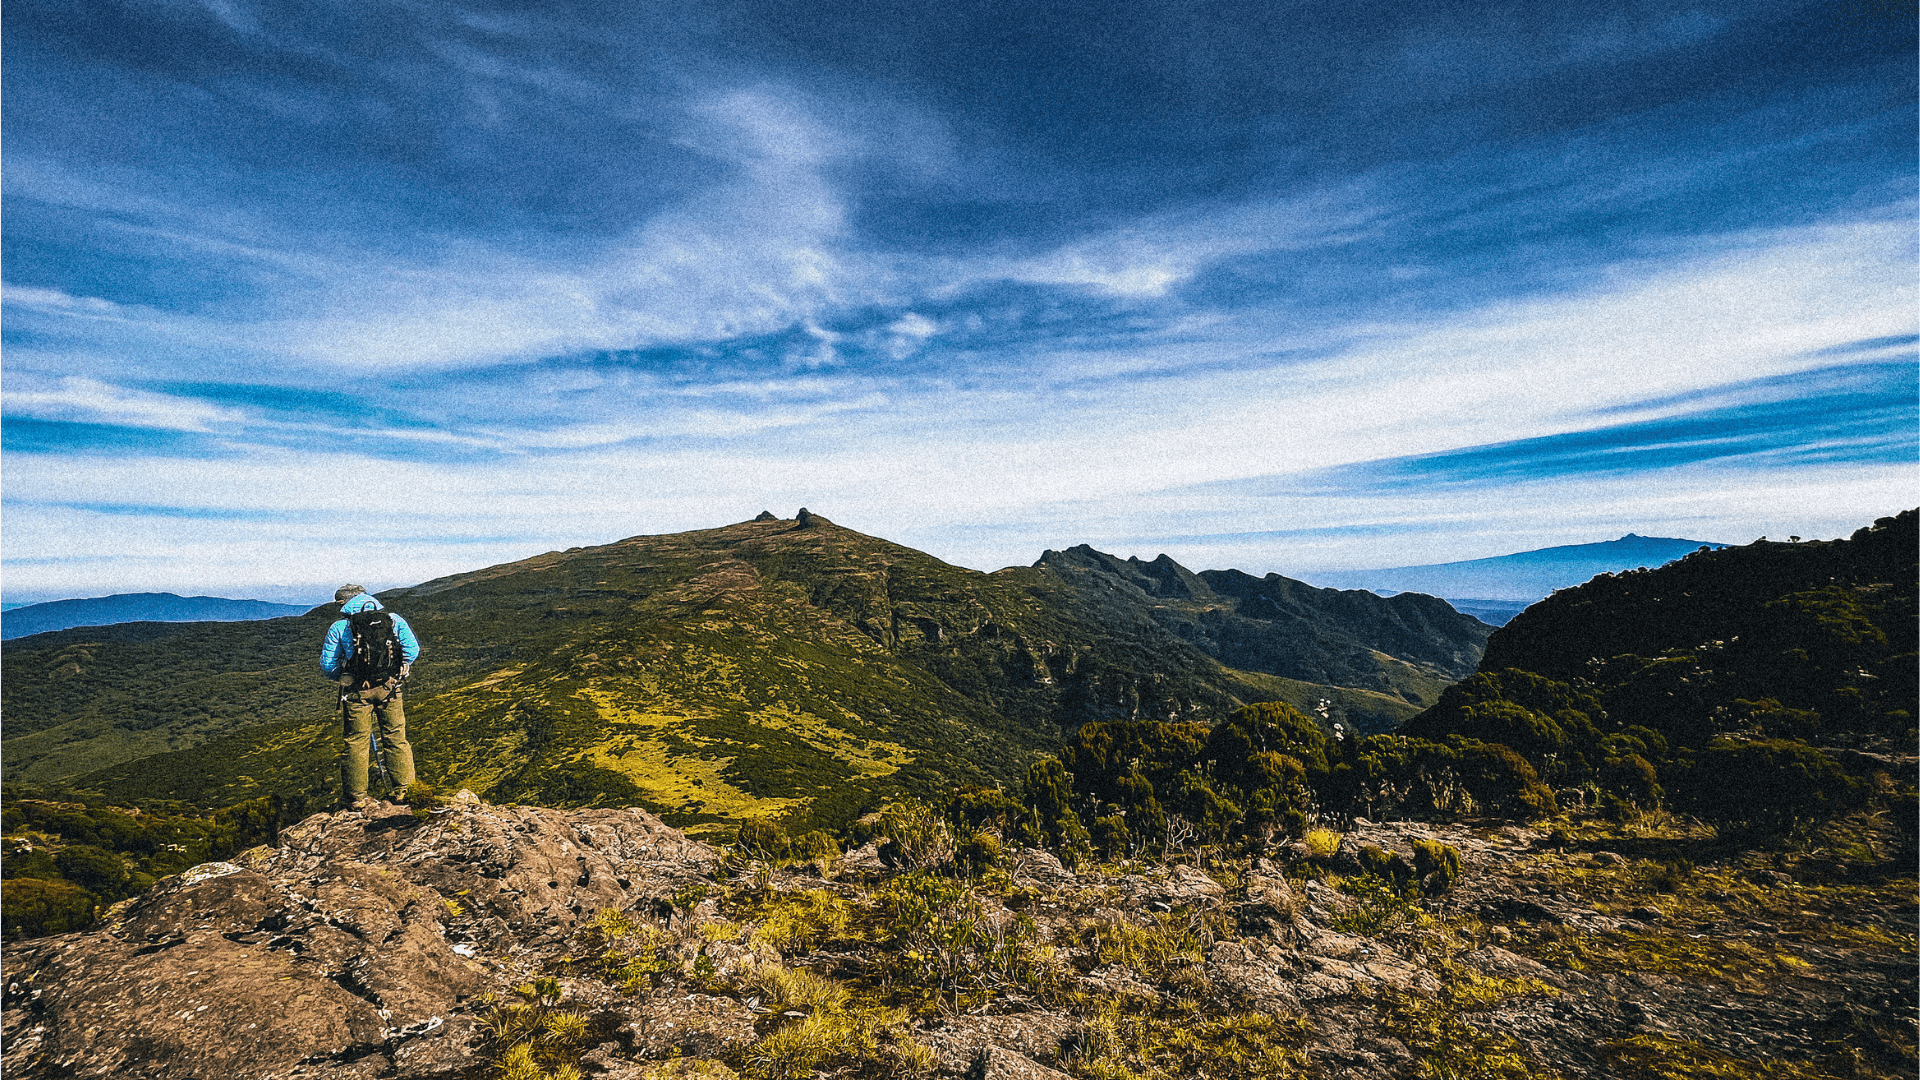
(1522,575)
(774,667)
(29,619)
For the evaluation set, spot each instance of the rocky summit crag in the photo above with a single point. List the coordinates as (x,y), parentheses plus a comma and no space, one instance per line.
(473,941)
(788,669)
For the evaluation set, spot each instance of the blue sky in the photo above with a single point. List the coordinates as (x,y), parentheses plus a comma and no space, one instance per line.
(303,293)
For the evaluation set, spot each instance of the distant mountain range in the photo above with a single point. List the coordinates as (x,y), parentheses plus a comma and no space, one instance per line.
(1491,612)
(1492,586)
(784,668)
(136,607)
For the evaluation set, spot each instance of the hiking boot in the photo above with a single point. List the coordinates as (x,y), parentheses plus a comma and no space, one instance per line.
(362,804)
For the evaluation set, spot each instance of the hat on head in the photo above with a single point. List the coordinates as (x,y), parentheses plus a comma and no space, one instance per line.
(340,594)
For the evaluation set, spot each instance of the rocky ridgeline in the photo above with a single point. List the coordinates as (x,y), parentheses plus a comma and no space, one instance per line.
(385,944)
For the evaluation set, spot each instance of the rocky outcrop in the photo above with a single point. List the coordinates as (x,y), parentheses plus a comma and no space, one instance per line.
(352,949)
(382,944)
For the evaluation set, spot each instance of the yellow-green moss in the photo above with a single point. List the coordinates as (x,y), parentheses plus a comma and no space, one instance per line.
(1134,1039)
(1656,1057)
(1445,1046)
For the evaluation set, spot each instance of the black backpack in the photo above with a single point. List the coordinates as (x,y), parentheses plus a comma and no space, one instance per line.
(376,651)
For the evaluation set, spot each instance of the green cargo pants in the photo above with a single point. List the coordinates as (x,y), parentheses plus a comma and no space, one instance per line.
(358,709)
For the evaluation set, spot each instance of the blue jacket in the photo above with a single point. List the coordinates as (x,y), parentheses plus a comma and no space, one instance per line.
(339,646)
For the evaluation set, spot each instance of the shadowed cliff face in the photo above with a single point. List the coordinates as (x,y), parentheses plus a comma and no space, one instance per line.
(774,668)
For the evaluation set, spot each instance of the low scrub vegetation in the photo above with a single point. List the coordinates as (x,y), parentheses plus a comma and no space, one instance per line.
(64,860)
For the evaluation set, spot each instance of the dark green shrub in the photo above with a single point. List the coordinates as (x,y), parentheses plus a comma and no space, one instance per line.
(1212,814)
(1502,782)
(1633,778)
(1773,720)
(1644,741)
(1510,724)
(978,851)
(1828,627)
(1049,802)
(762,839)
(1373,859)
(30,907)
(1148,752)
(814,846)
(29,863)
(1110,836)
(1389,866)
(1766,786)
(1528,712)
(98,871)
(1293,822)
(1147,822)
(983,808)
(1265,809)
(1269,727)
(1673,694)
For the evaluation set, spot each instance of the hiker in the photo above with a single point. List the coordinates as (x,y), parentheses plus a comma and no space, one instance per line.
(370,653)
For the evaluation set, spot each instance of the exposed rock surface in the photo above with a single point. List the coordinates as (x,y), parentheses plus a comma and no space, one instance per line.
(378,944)
(978,1045)
(354,946)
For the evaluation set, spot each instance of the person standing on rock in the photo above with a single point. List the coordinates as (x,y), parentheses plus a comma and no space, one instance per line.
(369,653)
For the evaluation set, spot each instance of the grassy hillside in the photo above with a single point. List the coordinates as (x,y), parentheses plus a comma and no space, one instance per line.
(774,668)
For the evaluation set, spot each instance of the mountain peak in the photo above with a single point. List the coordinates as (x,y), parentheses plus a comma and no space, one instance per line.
(1523,575)
(795,670)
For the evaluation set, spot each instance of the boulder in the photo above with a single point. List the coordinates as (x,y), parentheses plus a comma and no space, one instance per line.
(1038,866)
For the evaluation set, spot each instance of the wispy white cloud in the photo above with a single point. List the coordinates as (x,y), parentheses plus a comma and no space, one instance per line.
(572,277)
(1147,257)
(77,398)
(54,301)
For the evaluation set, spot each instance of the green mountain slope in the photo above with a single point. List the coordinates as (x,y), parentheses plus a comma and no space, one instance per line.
(1763,688)
(1826,628)
(786,668)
